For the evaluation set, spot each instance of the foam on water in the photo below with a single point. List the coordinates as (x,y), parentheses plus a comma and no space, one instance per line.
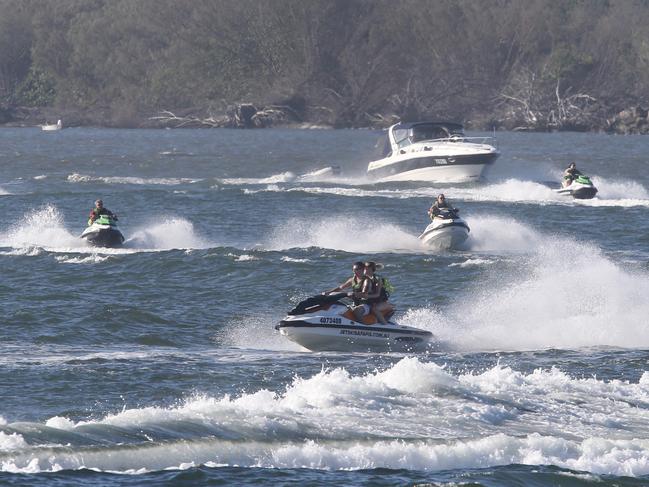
(413,415)
(83,178)
(564,294)
(327,174)
(44,228)
(253,332)
(336,233)
(488,234)
(172,233)
(621,193)
(501,234)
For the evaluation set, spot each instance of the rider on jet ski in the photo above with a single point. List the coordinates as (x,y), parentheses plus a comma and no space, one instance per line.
(99,210)
(439,205)
(356,283)
(374,293)
(570,174)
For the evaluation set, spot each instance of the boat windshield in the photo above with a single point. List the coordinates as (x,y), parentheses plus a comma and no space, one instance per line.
(401,136)
(428,132)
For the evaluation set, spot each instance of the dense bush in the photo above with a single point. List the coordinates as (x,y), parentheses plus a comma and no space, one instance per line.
(349,60)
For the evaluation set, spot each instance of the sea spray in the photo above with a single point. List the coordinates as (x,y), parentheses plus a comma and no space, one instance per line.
(564,294)
(42,227)
(167,233)
(351,234)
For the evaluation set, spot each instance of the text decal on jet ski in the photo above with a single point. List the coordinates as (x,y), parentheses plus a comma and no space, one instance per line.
(331,321)
(364,333)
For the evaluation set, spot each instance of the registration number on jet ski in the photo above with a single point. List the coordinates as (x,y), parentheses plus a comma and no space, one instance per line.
(331,321)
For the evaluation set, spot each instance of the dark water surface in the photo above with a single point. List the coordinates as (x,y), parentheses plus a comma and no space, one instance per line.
(158,363)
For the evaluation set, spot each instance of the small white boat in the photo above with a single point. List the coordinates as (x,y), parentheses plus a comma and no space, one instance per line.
(52,127)
(432,151)
(325,323)
(446,232)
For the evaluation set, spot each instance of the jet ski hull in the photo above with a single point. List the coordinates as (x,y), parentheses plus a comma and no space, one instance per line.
(323,323)
(585,193)
(103,236)
(354,337)
(445,236)
(579,191)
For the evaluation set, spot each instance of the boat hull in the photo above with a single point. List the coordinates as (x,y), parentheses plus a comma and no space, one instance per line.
(434,168)
(354,338)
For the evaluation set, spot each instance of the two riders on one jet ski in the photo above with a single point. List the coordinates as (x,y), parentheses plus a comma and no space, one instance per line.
(570,174)
(99,210)
(369,292)
(441,206)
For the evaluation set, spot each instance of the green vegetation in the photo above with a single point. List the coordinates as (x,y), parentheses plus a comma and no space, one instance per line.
(539,63)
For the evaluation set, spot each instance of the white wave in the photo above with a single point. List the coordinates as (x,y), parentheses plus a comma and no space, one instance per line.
(284,177)
(90,259)
(328,174)
(597,455)
(11,442)
(611,193)
(413,415)
(286,258)
(253,332)
(501,234)
(4,192)
(82,178)
(563,294)
(172,233)
(245,258)
(43,227)
(347,233)
(40,177)
(622,193)
(472,263)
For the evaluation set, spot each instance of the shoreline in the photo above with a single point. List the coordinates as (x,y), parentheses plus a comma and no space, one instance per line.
(630,121)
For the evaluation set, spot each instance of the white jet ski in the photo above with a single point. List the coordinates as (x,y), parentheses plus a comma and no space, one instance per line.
(103,232)
(446,231)
(325,323)
(581,188)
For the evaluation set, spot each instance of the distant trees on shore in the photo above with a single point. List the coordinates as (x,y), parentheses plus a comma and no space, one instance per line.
(534,63)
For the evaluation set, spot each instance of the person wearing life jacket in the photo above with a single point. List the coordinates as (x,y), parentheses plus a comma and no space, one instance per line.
(98,210)
(355,282)
(570,174)
(441,205)
(375,294)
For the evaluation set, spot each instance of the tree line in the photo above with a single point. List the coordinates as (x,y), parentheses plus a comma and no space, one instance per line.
(564,64)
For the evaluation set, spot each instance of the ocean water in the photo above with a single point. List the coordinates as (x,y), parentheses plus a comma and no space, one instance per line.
(158,363)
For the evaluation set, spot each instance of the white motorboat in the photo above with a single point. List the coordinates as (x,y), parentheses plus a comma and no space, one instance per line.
(52,127)
(581,188)
(326,323)
(447,231)
(432,151)
(103,232)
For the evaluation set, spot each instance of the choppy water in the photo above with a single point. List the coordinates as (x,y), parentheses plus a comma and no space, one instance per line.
(158,363)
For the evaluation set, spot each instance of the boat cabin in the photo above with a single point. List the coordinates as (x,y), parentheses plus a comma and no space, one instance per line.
(402,135)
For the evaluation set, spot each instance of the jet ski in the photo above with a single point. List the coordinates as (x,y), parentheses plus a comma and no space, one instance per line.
(326,323)
(103,232)
(581,188)
(446,231)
